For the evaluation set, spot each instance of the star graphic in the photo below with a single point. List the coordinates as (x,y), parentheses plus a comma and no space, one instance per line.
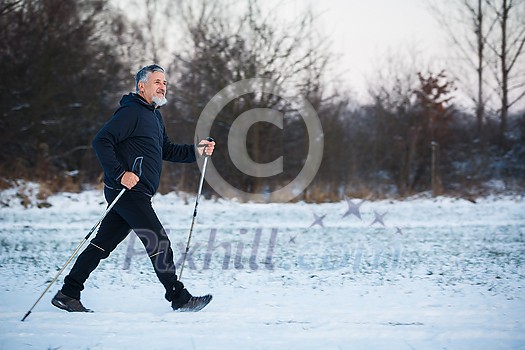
(378,218)
(318,220)
(353,209)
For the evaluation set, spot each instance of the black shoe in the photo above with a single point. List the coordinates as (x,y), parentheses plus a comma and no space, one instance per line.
(64,302)
(195,304)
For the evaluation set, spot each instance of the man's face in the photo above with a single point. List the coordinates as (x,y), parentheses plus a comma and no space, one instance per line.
(154,90)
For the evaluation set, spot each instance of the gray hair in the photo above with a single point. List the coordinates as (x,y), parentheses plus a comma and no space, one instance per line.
(143,74)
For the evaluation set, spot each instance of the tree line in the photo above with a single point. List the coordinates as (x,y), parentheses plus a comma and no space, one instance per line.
(66,64)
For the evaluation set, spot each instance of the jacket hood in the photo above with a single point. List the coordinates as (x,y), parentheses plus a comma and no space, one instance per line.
(135,98)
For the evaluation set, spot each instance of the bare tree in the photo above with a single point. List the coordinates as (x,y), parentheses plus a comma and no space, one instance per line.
(53,57)
(478,26)
(7,6)
(393,145)
(228,43)
(471,45)
(508,45)
(492,46)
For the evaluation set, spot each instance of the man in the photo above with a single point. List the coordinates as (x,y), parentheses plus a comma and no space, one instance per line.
(135,130)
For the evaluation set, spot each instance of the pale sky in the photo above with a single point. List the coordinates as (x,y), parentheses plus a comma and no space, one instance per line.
(363,31)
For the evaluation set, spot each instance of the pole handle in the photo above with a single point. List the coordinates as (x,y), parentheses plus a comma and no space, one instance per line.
(200,145)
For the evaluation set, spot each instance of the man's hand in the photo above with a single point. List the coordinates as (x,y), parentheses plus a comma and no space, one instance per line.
(206,147)
(129,180)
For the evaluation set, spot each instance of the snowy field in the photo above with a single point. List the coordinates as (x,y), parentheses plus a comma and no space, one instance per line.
(418,274)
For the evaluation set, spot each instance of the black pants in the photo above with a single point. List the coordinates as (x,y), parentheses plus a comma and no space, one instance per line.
(133,211)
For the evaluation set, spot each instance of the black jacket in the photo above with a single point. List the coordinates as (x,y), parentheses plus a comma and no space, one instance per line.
(136,130)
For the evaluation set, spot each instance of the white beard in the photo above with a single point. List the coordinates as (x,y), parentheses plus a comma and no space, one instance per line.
(158,101)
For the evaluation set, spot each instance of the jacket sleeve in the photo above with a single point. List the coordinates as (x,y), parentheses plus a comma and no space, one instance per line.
(177,153)
(119,128)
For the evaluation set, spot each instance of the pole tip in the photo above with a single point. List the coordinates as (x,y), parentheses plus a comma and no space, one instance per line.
(26,315)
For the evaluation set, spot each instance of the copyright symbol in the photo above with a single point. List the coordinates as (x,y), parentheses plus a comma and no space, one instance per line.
(238,135)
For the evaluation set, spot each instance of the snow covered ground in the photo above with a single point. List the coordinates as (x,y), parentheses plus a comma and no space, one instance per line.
(416,274)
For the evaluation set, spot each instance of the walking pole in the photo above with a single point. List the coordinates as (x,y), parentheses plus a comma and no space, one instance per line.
(201,181)
(137,169)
